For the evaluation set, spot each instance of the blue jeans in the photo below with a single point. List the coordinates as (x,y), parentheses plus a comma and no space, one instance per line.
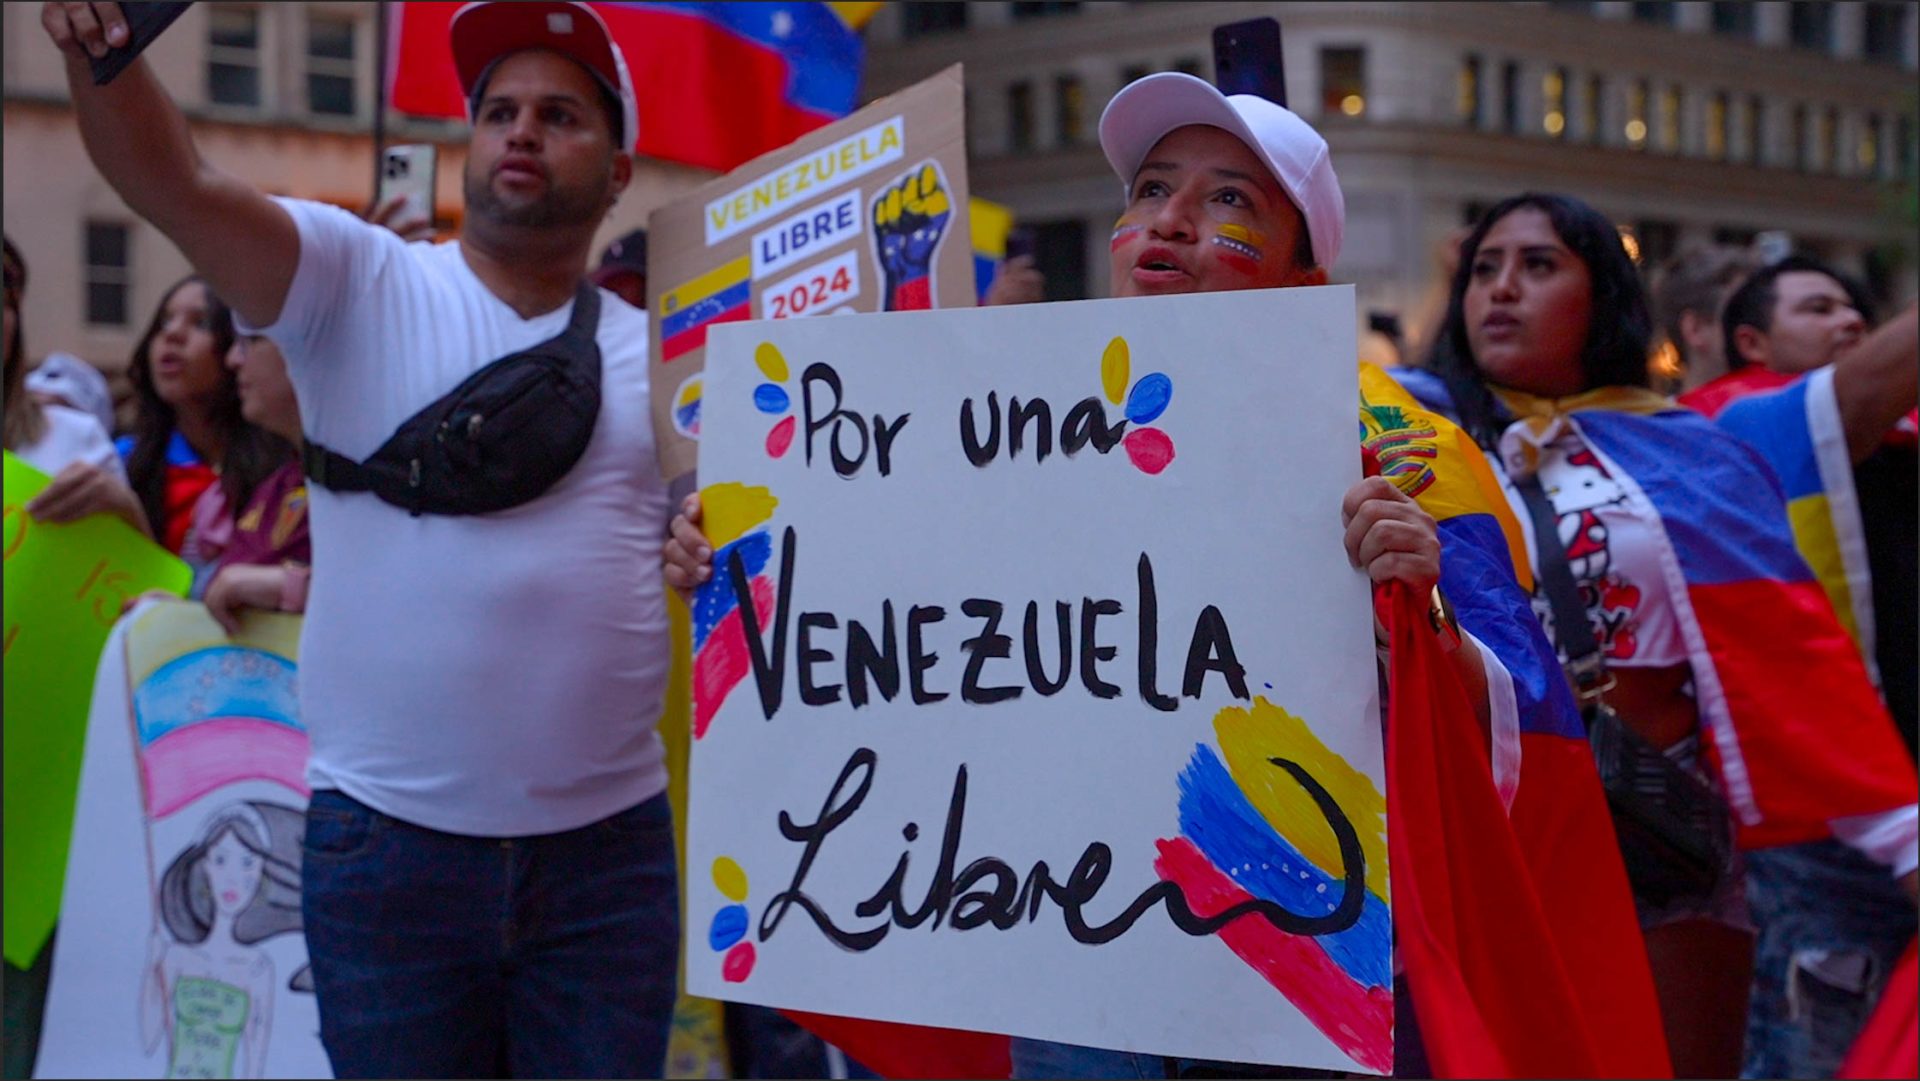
(437,955)
(1830,923)
(1034,1060)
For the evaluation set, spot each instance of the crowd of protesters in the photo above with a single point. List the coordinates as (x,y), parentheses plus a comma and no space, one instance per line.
(524,869)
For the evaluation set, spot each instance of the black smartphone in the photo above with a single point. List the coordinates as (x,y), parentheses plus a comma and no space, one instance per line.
(144,24)
(1246,59)
(1020,241)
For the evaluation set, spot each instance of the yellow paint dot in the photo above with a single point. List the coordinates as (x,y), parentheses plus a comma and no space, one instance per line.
(1114,369)
(730,878)
(771,363)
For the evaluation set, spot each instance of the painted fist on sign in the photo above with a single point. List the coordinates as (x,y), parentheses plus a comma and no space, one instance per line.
(909,219)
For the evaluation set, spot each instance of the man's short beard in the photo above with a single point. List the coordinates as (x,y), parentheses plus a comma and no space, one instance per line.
(558,207)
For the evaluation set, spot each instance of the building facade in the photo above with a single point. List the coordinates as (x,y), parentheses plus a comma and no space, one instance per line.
(1688,121)
(1682,121)
(279,94)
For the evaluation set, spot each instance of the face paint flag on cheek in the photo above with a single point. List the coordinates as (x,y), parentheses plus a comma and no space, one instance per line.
(1124,233)
(1240,247)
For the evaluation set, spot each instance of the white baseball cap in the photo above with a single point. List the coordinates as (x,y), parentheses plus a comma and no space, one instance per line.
(1142,114)
(483,33)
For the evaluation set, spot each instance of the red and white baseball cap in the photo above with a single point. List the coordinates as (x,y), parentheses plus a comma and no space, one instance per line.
(483,33)
(1142,114)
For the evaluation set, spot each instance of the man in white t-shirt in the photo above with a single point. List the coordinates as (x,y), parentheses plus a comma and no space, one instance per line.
(489,879)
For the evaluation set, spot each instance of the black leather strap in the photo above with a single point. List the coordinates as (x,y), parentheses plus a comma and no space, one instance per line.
(1586,665)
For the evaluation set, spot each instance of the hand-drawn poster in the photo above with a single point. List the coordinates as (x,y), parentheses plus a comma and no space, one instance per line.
(1034,692)
(866,214)
(180,952)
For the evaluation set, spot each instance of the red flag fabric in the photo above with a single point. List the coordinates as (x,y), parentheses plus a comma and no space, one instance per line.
(1494,994)
(716,84)
(1890,1044)
(911,1051)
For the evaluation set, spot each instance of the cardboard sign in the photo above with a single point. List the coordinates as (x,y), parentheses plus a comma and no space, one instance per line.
(65,586)
(1034,692)
(866,214)
(181,951)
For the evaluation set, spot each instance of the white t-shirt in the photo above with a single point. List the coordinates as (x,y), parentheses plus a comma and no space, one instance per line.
(1614,555)
(71,436)
(494,675)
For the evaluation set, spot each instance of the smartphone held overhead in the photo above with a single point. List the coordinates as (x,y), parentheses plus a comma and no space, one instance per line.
(1246,59)
(408,171)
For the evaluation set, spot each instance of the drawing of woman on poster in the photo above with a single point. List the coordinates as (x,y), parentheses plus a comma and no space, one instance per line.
(207,983)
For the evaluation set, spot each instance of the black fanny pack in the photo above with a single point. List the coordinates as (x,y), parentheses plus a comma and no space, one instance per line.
(501,438)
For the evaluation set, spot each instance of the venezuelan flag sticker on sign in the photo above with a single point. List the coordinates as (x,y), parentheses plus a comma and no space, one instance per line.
(719,296)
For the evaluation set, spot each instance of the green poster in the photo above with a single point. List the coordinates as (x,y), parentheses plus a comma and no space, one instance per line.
(65,586)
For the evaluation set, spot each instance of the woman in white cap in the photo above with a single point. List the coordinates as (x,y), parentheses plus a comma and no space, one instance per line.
(1239,193)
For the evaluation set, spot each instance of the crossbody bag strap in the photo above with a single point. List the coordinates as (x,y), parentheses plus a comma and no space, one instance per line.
(1586,664)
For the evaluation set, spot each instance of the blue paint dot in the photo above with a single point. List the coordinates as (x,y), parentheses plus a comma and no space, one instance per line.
(1149,398)
(771,398)
(729,927)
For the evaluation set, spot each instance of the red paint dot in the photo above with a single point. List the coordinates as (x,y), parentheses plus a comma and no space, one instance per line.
(738,964)
(780,438)
(1149,448)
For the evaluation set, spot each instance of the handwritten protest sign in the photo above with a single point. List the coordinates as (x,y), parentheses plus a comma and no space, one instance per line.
(1034,692)
(866,214)
(65,585)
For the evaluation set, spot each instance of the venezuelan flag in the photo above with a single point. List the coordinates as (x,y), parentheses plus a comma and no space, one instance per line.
(991,223)
(209,711)
(1558,818)
(1797,430)
(721,295)
(717,84)
(1789,716)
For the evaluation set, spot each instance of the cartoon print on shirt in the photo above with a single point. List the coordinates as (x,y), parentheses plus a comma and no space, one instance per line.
(1612,603)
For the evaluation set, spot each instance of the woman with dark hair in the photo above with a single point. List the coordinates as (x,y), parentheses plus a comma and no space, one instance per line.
(1703,631)
(189,431)
(209,985)
(66,444)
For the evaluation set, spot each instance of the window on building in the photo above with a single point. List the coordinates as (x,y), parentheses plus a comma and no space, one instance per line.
(1734,237)
(330,74)
(1659,12)
(1577,7)
(1904,149)
(1826,140)
(1060,252)
(1026,10)
(1020,116)
(932,17)
(1867,154)
(107,281)
(1753,130)
(1810,24)
(1070,104)
(1191,65)
(233,56)
(1343,81)
(1635,128)
(1469,90)
(1669,119)
(1473,210)
(1734,19)
(1553,92)
(1510,97)
(1881,40)
(1717,126)
(1133,73)
(1798,155)
(1596,96)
